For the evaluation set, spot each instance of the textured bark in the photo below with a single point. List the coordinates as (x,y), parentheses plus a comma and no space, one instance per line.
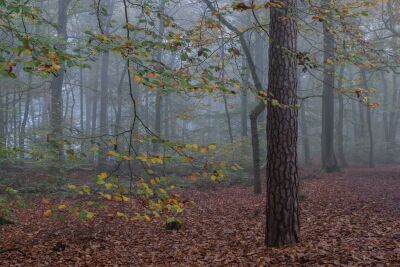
(339,128)
(328,158)
(282,211)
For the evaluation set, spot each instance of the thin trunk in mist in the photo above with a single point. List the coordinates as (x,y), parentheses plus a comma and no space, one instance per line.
(166,117)
(328,158)
(94,98)
(257,110)
(394,112)
(339,128)
(158,104)
(243,99)
(6,113)
(14,119)
(256,147)
(369,120)
(56,85)
(304,134)
(22,133)
(104,93)
(119,100)
(81,100)
(243,112)
(385,113)
(282,211)
(226,107)
(2,120)
(361,120)
(228,118)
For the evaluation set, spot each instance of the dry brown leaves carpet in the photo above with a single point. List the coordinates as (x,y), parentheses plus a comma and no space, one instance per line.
(347,219)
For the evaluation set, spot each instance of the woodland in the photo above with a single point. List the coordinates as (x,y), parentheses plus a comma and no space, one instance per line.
(199,133)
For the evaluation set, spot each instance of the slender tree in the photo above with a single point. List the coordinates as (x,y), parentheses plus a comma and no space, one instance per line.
(56,84)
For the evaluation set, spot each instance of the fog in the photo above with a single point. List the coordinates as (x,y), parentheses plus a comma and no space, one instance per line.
(167,116)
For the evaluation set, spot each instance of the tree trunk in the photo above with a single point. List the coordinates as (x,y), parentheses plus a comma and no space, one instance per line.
(56,87)
(22,132)
(81,100)
(304,133)
(369,121)
(158,104)
(255,144)
(282,211)
(119,102)
(243,99)
(339,129)
(328,158)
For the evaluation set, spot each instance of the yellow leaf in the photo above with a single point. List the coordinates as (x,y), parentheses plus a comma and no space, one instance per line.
(127,158)
(147,218)
(72,186)
(108,185)
(89,215)
(112,153)
(62,207)
(94,149)
(156,214)
(107,196)
(162,191)
(153,181)
(86,189)
(117,197)
(102,175)
(203,149)
(213,178)
(137,78)
(47,213)
(212,147)
(329,61)
(125,199)
(120,214)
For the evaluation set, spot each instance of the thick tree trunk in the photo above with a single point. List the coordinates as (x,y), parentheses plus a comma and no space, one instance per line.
(339,128)
(283,222)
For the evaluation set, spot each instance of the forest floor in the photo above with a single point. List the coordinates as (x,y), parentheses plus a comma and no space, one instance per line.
(351,218)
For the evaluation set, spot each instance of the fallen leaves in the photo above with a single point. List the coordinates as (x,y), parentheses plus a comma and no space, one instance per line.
(348,219)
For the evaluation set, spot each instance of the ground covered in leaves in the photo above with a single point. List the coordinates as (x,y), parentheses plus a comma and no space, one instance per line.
(350,218)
